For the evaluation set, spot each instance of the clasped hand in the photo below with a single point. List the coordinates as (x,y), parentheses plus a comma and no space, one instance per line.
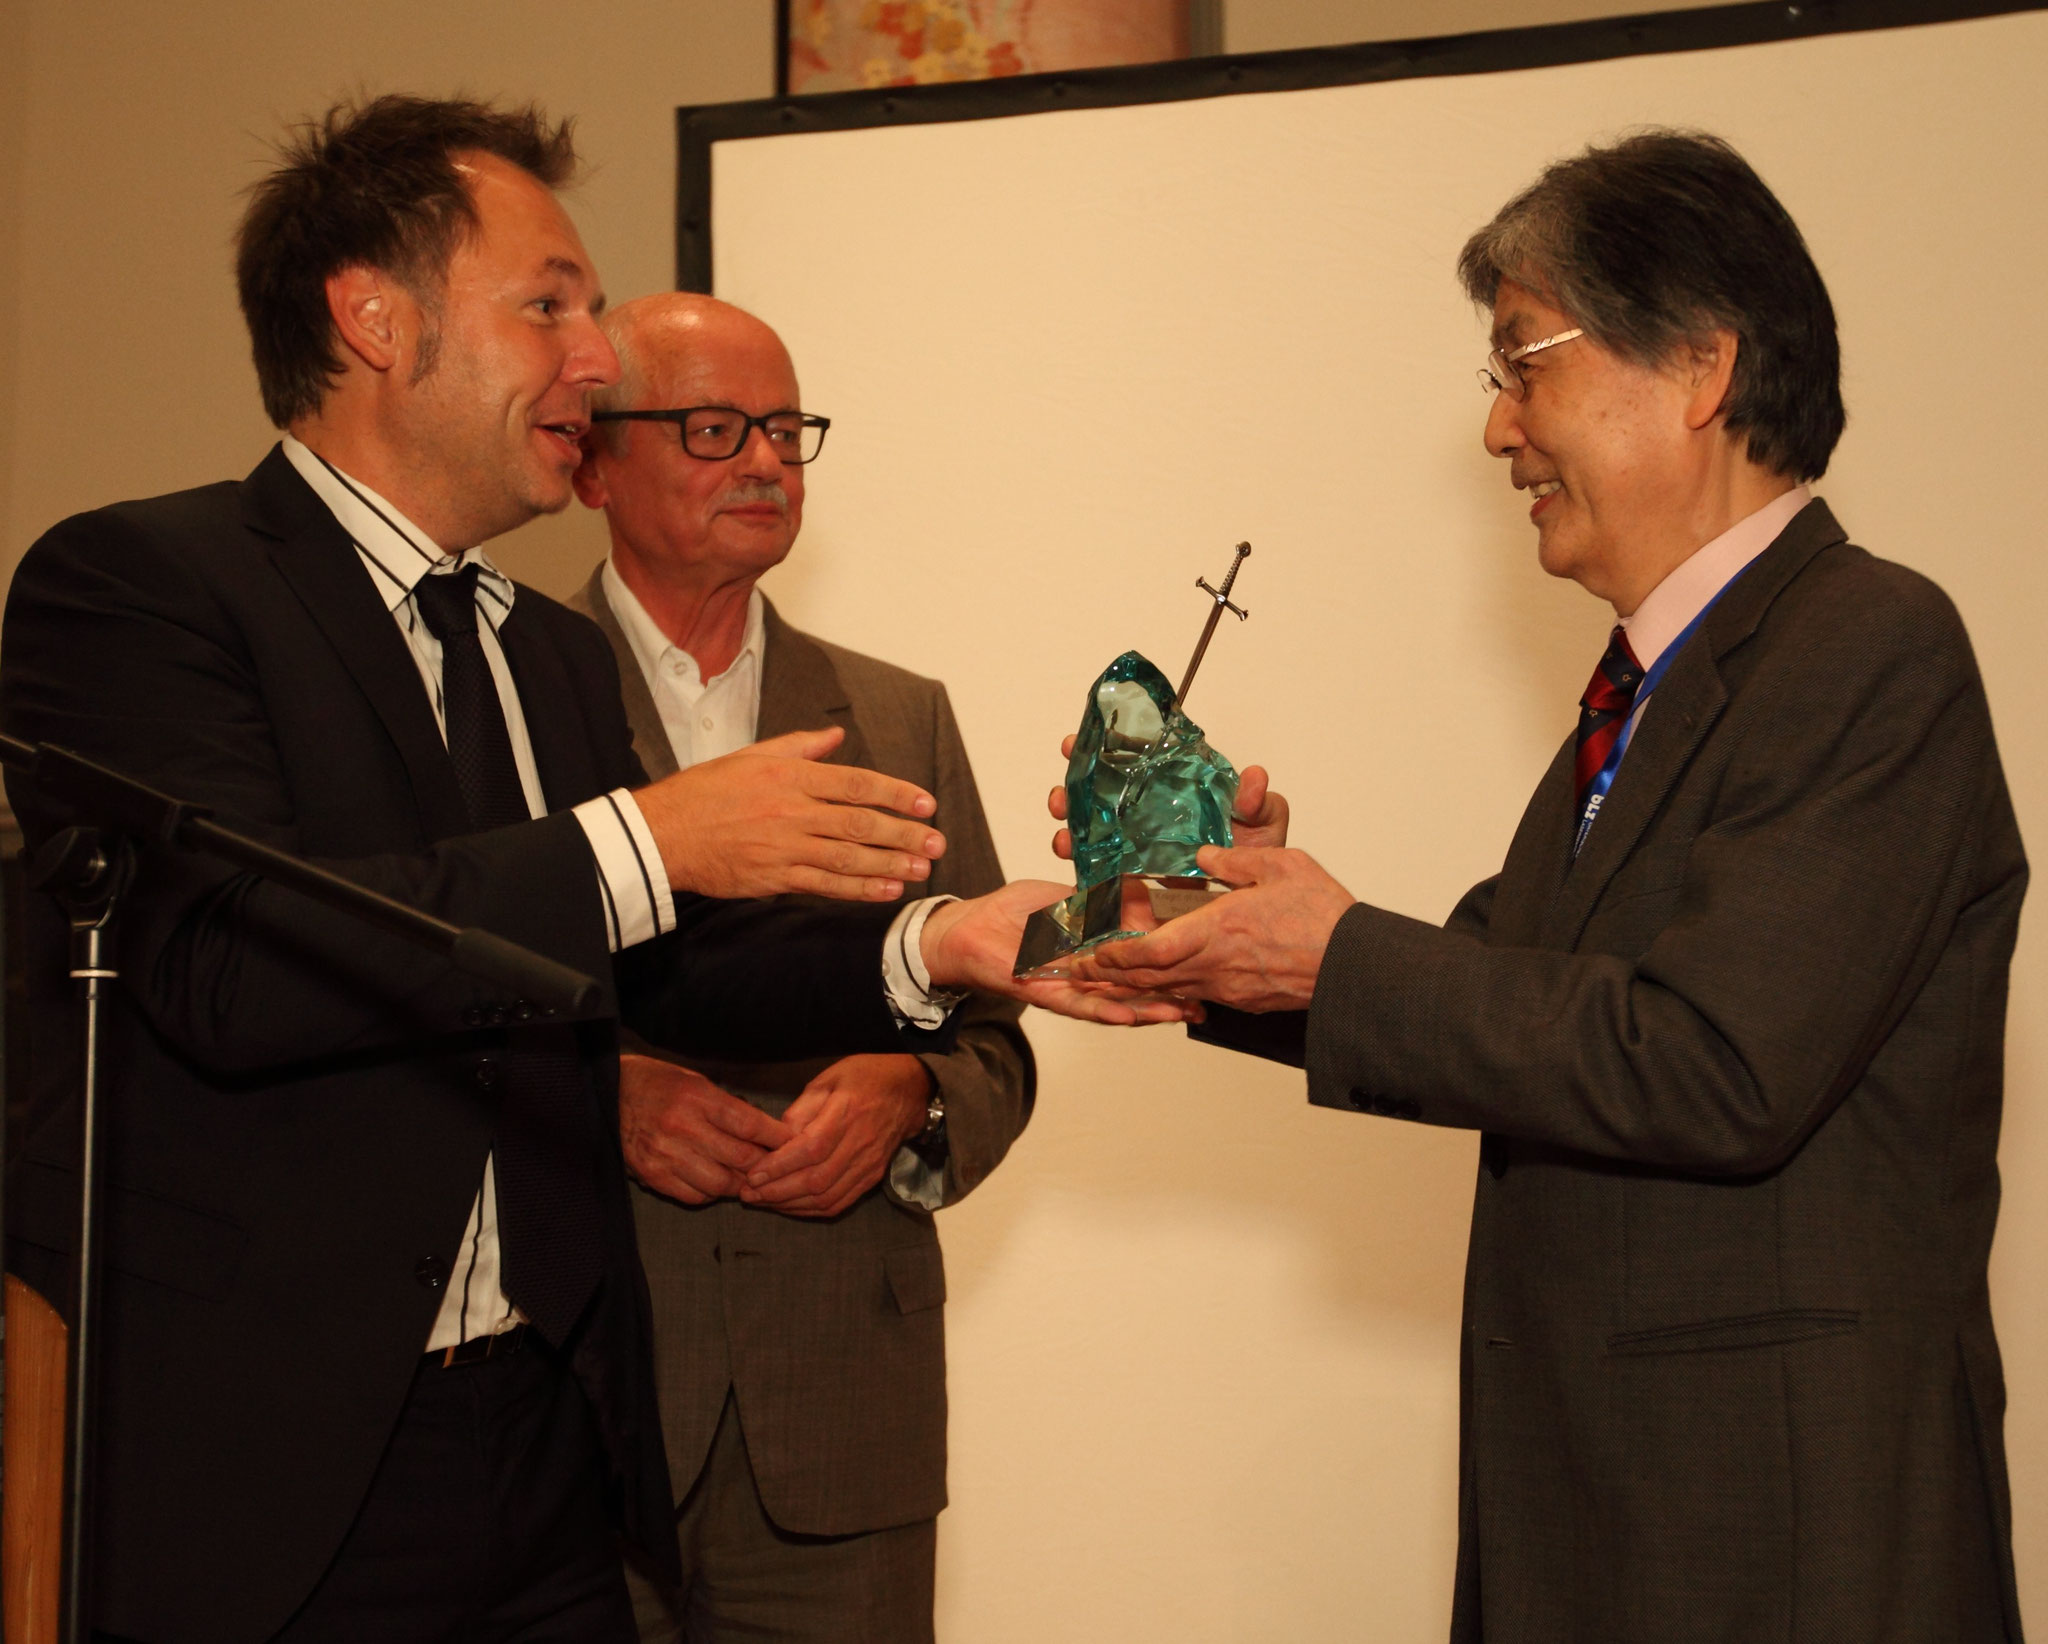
(691,1140)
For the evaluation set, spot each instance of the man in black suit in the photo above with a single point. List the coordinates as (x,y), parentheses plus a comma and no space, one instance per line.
(324,1151)
(1731,1015)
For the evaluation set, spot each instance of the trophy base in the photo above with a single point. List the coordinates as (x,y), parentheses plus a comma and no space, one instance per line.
(1054,935)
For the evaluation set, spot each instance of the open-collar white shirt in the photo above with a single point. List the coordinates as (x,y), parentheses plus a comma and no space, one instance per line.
(703,717)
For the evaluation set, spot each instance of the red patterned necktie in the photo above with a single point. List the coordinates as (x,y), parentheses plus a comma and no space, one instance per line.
(1603,713)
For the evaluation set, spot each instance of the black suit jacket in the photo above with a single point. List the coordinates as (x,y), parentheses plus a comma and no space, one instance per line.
(1729,1368)
(299,1111)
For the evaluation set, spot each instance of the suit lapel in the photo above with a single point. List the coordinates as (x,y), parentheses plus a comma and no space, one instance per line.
(798,681)
(643,719)
(1679,716)
(318,561)
(1534,869)
(562,748)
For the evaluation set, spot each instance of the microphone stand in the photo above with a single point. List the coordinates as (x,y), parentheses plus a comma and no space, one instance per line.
(87,868)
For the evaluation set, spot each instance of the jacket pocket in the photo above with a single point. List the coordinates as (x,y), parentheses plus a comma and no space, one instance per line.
(1728,1335)
(917,1276)
(145,1237)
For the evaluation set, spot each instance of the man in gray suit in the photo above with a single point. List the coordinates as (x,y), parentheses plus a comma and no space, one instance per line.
(785,1211)
(1731,1015)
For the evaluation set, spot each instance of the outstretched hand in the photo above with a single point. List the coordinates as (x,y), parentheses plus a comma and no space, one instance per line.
(770,818)
(1259,948)
(974,945)
(1258,819)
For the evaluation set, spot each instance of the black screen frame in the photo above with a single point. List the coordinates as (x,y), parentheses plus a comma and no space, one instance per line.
(1493,51)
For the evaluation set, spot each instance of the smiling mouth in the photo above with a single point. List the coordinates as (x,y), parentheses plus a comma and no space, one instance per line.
(569,433)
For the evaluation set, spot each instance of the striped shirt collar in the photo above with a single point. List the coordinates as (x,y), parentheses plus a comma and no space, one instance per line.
(396,552)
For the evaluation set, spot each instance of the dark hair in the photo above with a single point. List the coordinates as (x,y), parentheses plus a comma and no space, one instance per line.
(1654,241)
(368,185)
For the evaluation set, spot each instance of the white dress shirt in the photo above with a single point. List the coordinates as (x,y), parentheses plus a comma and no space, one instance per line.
(632,883)
(703,718)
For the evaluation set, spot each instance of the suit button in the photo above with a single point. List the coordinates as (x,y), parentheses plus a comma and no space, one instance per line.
(1410,1109)
(1361,1100)
(432,1272)
(1385,1106)
(522,1010)
(475,1016)
(488,1073)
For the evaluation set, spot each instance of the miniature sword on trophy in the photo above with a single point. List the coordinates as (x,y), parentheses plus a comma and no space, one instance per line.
(1145,791)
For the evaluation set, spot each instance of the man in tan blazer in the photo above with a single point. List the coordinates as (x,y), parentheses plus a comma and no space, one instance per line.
(784,1211)
(1731,1014)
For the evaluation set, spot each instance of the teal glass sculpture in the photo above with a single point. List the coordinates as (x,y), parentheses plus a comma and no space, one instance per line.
(1145,791)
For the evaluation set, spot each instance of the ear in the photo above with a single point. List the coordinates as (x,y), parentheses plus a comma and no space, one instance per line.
(588,479)
(1711,363)
(373,316)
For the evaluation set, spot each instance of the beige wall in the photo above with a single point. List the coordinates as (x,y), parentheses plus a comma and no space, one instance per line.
(126,131)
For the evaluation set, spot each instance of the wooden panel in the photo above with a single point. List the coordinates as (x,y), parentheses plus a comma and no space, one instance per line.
(32,1520)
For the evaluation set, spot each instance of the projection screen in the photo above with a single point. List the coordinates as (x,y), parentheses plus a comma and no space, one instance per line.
(1204,1340)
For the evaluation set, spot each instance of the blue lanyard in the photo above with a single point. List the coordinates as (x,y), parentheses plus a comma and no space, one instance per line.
(1603,779)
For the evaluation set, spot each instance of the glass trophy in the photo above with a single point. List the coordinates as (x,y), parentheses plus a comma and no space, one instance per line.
(1145,791)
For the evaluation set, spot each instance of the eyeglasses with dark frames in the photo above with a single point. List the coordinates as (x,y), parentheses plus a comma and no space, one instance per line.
(1499,376)
(714,433)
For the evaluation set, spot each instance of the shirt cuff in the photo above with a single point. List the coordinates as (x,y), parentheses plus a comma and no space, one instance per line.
(630,877)
(916,1180)
(905,979)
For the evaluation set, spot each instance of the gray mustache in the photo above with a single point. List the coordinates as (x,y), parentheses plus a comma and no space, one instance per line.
(752,491)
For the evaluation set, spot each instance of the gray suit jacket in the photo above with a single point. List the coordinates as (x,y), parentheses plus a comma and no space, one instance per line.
(831,1334)
(1729,1370)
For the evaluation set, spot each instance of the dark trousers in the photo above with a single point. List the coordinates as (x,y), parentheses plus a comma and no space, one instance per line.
(747,1581)
(485,1522)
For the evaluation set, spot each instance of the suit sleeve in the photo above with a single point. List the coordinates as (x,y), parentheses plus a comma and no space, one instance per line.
(987,1078)
(1847,839)
(118,649)
(1282,1035)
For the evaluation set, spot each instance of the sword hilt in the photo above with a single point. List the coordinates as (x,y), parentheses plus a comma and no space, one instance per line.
(1222,595)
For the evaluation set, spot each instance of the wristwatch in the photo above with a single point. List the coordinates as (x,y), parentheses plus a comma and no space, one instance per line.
(930,1143)
(934,1114)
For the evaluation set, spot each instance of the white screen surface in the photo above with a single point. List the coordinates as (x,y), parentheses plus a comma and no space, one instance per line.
(1203,1339)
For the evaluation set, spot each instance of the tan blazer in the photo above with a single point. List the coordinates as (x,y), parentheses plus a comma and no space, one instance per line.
(830,1333)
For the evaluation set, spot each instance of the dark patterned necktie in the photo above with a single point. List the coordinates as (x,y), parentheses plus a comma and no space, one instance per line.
(1603,712)
(549,1225)
(478,741)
